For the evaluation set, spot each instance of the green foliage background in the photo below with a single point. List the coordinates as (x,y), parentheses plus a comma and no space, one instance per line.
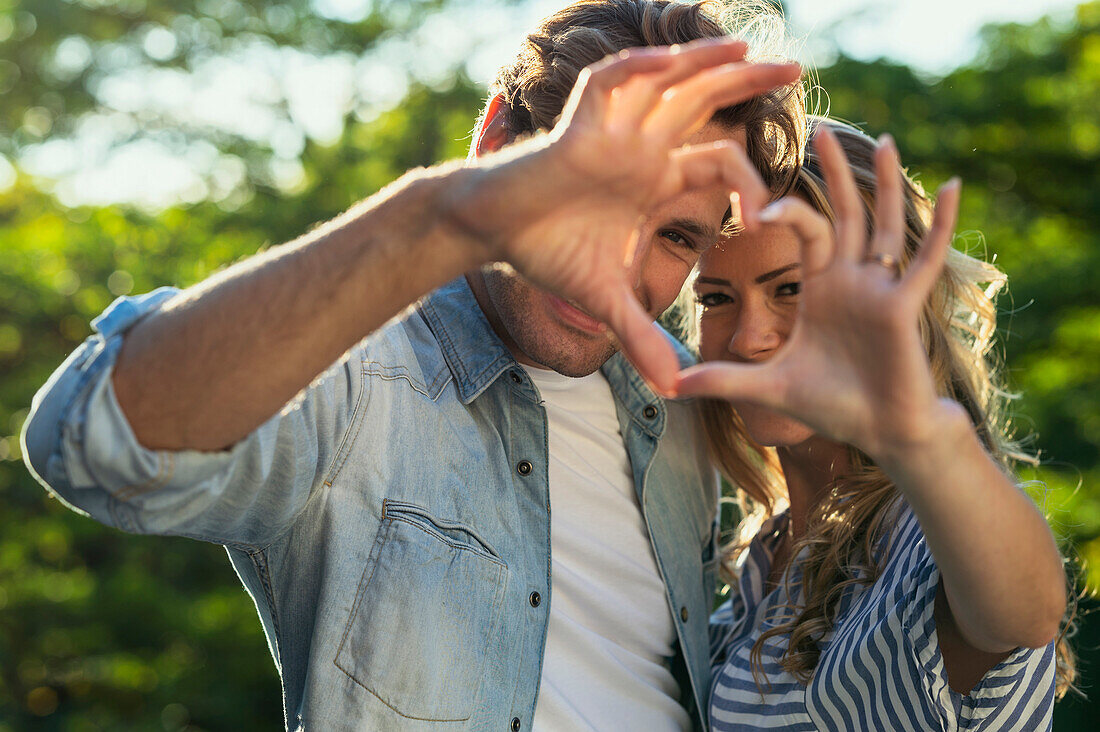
(99,630)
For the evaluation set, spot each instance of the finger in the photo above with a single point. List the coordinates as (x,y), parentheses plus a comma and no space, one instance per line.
(814,233)
(635,98)
(927,265)
(754,383)
(889,235)
(687,106)
(851,228)
(588,101)
(643,342)
(723,163)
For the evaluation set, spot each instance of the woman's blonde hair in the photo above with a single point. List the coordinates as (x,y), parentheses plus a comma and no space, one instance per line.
(957,325)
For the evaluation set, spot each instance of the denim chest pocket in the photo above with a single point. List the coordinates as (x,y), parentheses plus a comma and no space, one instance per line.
(427,608)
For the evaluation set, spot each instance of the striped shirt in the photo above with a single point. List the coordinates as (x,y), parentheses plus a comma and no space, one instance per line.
(880,666)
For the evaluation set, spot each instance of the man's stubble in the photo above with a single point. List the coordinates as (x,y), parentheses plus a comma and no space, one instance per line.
(519,311)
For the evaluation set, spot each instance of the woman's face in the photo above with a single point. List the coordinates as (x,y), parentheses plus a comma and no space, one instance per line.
(748,294)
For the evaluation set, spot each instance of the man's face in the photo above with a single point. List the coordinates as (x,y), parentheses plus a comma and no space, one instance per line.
(542,330)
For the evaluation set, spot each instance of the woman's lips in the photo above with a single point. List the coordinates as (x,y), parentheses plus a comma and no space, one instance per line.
(574,316)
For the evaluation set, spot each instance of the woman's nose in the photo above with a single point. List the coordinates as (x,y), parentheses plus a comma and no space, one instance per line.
(757,336)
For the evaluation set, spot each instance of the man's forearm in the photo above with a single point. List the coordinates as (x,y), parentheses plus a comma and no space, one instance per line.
(562,208)
(225,355)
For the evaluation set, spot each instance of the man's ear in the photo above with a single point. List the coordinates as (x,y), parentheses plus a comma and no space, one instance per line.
(492,134)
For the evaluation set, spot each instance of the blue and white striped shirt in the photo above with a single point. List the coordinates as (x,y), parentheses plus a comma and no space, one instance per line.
(880,667)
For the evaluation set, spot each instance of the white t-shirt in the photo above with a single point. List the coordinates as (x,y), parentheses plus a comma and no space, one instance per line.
(611,636)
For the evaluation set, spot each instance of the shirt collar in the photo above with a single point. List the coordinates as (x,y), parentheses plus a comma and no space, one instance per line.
(476,356)
(474,352)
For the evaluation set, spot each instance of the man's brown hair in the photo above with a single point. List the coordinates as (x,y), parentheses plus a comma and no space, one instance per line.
(535,86)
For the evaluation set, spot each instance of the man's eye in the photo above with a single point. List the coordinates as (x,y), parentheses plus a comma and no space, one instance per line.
(712,299)
(789,289)
(678,239)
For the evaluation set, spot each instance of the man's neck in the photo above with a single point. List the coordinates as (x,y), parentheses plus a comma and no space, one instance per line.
(476,280)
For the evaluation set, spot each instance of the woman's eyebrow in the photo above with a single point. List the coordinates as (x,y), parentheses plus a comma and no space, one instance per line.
(776,272)
(759,280)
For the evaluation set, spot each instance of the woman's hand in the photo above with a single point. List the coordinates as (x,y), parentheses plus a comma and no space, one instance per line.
(564,208)
(854,367)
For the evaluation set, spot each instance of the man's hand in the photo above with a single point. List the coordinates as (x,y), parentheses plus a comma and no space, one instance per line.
(221,358)
(564,208)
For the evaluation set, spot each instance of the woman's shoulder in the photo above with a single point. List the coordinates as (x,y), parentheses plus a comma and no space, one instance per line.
(901,547)
(902,568)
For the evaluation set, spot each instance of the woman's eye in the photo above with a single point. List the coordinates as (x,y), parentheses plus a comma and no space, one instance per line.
(712,299)
(789,289)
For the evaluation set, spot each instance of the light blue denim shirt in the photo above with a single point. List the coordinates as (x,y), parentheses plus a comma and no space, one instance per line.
(393,520)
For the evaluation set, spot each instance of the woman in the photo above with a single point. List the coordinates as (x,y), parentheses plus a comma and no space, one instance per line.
(909,583)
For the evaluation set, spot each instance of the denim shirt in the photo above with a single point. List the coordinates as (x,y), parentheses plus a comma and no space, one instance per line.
(392,521)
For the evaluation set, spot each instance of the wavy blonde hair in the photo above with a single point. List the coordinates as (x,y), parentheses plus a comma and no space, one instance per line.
(957,326)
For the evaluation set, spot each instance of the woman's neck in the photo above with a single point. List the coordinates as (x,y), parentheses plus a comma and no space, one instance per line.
(809,468)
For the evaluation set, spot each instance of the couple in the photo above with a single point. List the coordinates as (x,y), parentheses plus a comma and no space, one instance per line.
(457,505)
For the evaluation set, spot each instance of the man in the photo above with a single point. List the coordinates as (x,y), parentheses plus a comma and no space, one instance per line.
(392,521)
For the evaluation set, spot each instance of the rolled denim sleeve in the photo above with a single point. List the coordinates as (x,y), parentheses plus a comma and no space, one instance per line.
(78,443)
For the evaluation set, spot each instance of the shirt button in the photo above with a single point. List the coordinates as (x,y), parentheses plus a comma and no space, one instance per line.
(524,467)
(515,724)
(536,599)
(650,411)
(515,377)
(684,614)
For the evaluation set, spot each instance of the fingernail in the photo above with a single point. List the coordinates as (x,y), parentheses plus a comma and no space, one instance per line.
(769,213)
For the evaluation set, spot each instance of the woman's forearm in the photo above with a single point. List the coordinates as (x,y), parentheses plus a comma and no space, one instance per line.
(1000,565)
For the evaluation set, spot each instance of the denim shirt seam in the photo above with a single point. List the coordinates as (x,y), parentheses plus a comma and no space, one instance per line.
(258,557)
(431,389)
(343,452)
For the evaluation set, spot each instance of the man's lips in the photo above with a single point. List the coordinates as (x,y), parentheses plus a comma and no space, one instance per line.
(573,315)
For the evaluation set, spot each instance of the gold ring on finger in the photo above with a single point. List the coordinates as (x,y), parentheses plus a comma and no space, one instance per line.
(889,261)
